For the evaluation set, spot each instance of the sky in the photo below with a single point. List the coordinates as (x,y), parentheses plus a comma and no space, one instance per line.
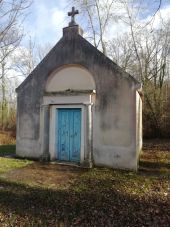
(46,18)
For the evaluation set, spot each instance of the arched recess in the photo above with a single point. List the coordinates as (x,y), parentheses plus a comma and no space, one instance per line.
(70,77)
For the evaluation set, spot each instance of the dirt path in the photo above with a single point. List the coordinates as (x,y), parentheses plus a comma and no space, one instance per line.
(45,174)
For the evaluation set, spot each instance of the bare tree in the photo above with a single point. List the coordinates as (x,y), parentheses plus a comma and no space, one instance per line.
(11,16)
(99,14)
(150,65)
(10,13)
(120,50)
(102,14)
(26,59)
(6,51)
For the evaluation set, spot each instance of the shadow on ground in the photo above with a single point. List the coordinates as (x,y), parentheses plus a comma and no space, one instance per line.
(94,206)
(45,175)
(7,150)
(58,195)
(154,165)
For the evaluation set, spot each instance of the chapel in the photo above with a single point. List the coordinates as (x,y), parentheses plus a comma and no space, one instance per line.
(77,106)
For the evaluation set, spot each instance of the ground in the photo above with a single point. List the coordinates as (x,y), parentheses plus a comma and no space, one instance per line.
(39,194)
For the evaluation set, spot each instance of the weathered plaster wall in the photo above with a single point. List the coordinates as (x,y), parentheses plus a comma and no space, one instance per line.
(114,111)
(28,119)
(115,129)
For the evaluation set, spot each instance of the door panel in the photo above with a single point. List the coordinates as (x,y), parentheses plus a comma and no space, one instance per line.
(69,134)
(63,136)
(76,135)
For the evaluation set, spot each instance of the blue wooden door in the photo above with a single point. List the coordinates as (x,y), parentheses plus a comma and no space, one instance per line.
(69,134)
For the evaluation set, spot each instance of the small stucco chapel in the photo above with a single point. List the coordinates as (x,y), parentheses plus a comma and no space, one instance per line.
(79,107)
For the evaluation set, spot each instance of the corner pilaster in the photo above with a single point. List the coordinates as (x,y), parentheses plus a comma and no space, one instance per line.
(44,132)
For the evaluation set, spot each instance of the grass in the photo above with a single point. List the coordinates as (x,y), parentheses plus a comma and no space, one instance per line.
(7,164)
(7,149)
(66,196)
(99,197)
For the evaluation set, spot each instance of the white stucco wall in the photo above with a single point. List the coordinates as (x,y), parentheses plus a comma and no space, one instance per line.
(72,77)
(114,143)
(28,148)
(26,145)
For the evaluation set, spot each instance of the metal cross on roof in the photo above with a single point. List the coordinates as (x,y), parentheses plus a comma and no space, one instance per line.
(72,14)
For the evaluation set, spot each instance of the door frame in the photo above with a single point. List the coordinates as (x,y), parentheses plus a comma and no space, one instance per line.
(54,126)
